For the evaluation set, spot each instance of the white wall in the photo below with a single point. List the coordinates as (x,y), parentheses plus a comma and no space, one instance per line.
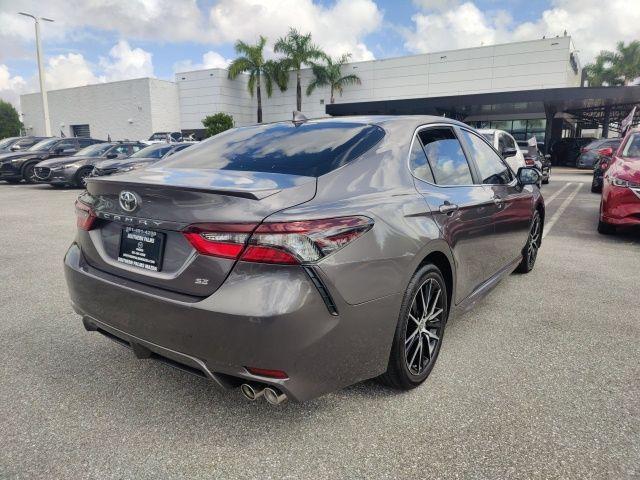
(131,109)
(527,65)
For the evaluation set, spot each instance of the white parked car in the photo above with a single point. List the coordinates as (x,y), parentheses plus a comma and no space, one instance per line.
(504,143)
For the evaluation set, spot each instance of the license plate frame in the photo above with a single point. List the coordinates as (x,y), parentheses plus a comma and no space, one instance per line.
(141,248)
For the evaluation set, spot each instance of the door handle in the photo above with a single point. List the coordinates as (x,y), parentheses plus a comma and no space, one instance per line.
(448,208)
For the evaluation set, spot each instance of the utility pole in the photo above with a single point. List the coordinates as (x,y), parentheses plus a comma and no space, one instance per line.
(43,90)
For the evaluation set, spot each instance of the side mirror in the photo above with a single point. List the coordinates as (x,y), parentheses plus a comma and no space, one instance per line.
(606,152)
(112,155)
(15,148)
(509,152)
(528,176)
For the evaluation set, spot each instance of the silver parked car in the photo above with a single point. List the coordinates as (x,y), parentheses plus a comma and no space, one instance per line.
(296,258)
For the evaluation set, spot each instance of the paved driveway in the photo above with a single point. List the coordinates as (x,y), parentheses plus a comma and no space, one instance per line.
(542,380)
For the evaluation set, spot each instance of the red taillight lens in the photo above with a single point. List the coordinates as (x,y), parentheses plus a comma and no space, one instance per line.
(603,166)
(264,372)
(529,162)
(219,239)
(85,216)
(287,243)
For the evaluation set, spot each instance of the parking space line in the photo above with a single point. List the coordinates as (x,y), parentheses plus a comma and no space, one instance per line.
(554,196)
(561,210)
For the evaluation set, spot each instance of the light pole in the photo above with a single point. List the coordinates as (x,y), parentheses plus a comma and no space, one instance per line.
(43,90)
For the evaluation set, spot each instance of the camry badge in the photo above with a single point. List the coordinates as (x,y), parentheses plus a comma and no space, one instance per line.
(128,201)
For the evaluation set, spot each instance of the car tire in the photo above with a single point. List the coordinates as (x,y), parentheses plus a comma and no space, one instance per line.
(595,188)
(530,250)
(605,228)
(28,173)
(419,330)
(81,174)
(13,181)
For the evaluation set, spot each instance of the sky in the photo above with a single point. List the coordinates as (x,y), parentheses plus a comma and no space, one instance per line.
(94,41)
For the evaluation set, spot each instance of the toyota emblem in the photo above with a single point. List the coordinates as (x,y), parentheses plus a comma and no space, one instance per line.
(128,201)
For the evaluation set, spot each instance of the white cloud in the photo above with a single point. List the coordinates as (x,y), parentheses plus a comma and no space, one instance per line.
(11,87)
(338,29)
(66,71)
(125,62)
(465,25)
(166,20)
(210,59)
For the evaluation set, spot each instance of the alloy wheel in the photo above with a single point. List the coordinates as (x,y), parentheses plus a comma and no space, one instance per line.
(424,326)
(534,241)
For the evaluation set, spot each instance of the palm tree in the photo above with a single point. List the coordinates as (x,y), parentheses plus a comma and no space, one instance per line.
(625,61)
(251,61)
(600,73)
(331,75)
(298,51)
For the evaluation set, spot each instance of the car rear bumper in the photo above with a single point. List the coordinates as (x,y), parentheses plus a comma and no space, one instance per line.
(620,206)
(273,319)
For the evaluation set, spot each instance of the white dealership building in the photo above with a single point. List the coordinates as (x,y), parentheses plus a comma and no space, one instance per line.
(134,109)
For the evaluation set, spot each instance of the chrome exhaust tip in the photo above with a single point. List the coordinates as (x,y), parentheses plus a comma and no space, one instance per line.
(273,396)
(250,392)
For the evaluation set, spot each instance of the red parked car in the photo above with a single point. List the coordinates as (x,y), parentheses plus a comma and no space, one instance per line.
(620,205)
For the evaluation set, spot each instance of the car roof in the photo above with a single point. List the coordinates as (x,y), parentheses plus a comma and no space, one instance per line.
(409,121)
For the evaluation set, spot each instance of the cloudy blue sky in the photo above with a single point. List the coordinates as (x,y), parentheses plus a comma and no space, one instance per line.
(105,40)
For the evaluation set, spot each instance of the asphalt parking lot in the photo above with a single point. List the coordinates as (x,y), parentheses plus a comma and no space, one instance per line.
(541,380)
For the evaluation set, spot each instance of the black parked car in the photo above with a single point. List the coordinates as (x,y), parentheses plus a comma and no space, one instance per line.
(605,156)
(19,165)
(142,158)
(13,144)
(567,150)
(74,169)
(533,157)
(589,154)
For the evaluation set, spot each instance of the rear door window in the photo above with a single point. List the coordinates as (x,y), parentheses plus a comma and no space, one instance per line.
(445,155)
(309,149)
(419,164)
(492,169)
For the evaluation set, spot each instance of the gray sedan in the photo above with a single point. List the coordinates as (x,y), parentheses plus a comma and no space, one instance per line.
(295,258)
(74,169)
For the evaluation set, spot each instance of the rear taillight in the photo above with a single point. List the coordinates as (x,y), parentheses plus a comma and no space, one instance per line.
(529,162)
(85,216)
(288,243)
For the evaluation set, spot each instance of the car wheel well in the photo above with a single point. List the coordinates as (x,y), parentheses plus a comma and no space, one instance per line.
(441,261)
(26,164)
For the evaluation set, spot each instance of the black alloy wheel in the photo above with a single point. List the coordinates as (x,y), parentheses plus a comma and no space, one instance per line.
(420,330)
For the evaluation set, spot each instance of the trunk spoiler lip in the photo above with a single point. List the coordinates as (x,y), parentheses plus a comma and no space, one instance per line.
(137,179)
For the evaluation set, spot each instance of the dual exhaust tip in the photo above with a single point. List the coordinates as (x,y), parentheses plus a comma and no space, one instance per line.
(254,392)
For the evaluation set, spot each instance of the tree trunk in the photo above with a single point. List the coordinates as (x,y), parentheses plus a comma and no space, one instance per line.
(332,100)
(259,95)
(298,92)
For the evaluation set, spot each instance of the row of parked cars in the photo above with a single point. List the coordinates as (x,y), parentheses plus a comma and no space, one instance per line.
(69,161)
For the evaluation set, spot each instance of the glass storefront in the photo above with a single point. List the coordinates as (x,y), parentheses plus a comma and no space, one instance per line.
(520,129)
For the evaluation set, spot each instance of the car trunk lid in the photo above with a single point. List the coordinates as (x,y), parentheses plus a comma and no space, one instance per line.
(166,202)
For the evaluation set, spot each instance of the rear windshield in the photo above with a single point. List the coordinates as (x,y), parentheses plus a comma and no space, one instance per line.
(310,149)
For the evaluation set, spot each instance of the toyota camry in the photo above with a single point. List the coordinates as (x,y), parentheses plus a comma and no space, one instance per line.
(296,258)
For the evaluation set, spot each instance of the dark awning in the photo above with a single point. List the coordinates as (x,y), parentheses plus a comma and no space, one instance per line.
(587,104)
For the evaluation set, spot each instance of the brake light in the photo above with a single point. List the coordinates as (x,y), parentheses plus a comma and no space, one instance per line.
(287,243)
(85,216)
(529,161)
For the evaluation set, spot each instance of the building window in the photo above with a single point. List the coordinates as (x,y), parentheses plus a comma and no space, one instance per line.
(80,130)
